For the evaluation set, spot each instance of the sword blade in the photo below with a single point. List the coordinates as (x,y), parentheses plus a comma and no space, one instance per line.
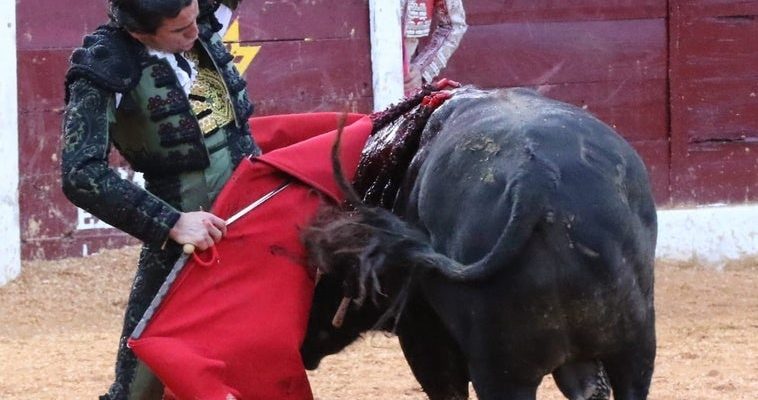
(175,270)
(252,206)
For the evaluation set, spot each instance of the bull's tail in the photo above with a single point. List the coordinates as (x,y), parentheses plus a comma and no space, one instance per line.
(378,240)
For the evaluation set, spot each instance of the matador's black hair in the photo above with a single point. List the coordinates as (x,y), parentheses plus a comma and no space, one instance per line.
(144,16)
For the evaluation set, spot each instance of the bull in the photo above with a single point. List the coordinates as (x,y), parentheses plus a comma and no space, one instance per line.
(511,236)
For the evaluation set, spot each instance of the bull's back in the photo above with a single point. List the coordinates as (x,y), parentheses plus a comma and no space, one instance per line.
(494,149)
(508,157)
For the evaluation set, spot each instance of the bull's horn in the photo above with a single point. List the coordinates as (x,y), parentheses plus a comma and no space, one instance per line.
(339,316)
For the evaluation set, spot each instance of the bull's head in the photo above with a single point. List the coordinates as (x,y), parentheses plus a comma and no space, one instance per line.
(323,338)
(353,247)
(354,253)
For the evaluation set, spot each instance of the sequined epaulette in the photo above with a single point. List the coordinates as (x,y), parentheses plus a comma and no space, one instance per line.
(109,58)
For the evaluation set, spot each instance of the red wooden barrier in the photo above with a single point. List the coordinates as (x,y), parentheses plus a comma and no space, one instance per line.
(679,82)
(714,99)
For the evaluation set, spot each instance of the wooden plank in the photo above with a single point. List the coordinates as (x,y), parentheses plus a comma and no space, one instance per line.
(710,47)
(518,54)
(487,12)
(40,79)
(318,75)
(39,143)
(714,78)
(53,217)
(716,173)
(714,95)
(51,248)
(57,24)
(715,8)
(262,20)
(717,110)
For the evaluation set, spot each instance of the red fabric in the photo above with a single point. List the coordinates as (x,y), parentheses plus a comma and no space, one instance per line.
(276,131)
(236,327)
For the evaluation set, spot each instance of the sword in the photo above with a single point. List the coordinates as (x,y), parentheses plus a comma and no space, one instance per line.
(189,251)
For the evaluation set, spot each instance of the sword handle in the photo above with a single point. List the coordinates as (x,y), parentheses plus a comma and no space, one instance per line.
(188,248)
(207,263)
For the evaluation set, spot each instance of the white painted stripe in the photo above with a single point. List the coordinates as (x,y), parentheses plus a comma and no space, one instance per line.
(386,52)
(10,239)
(709,236)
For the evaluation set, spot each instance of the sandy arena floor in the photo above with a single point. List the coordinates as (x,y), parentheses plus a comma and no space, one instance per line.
(59,323)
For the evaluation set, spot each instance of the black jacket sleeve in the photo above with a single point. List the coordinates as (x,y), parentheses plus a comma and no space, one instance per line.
(90,183)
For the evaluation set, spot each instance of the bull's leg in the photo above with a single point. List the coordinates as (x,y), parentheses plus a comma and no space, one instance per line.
(497,363)
(492,384)
(583,381)
(439,369)
(500,375)
(630,372)
(434,357)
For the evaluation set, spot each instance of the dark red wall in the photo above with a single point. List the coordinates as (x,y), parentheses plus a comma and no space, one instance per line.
(314,55)
(678,79)
(714,100)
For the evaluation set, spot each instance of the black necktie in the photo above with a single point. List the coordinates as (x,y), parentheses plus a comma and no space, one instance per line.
(183,64)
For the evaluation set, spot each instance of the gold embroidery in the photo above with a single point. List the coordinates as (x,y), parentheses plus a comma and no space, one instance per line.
(209,99)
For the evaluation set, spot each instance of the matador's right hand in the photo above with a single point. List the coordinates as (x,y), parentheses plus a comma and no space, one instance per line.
(198,228)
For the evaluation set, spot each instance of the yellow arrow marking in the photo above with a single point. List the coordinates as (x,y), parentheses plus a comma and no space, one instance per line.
(243,54)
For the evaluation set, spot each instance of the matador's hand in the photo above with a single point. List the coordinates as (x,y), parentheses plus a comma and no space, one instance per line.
(199,228)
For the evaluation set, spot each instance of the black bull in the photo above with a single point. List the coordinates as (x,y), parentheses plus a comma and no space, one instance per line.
(526,247)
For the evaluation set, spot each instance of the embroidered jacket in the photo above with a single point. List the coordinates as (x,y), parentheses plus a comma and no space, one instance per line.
(154,128)
(445,37)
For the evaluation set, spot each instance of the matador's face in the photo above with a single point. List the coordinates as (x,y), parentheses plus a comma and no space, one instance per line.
(175,34)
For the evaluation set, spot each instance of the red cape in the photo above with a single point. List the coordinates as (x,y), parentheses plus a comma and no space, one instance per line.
(236,327)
